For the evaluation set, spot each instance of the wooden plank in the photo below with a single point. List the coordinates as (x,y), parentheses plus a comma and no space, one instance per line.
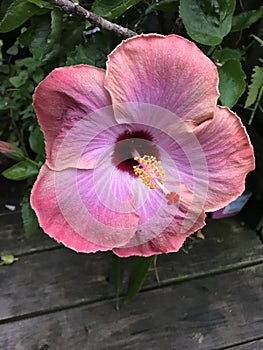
(253,345)
(13,240)
(208,313)
(57,274)
(229,243)
(53,279)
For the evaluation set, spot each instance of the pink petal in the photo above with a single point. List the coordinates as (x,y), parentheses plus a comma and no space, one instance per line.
(168,242)
(77,208)
(229,157)
(168,71)
(163,228)
(51,219)
(67,95)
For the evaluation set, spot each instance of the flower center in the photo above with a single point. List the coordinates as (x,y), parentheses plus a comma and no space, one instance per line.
(129,141)
(128,148)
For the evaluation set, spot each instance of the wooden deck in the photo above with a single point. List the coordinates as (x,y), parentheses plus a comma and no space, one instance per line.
(55,299)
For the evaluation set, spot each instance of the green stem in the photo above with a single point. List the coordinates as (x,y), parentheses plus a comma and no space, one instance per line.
(19,135)
(256,106)
(156,270)
(211,51)
(116,279)
(33,162)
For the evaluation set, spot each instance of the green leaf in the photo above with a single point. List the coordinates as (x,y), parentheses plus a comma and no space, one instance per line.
(26,37)
(206,21)
(42,4)
(4,5)
(20,79)
(38,75)
(245,19)
(36,140)
(185,248)
(1,48)
(231,82)
(13,50)
(260,41)
(4,68)
(112,9)
(29,63)
(53,40)
(39,32)
(28,215)
(255,86)
(21,171)
(137,276)
(43,36)
(227,54)
(95,51)
(7,259)
(165,5)
(18,13)
(73,31)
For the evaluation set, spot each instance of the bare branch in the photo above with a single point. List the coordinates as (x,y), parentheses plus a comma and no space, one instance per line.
(75,9)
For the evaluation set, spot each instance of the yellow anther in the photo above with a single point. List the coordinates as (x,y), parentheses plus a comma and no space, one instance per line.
(150,171)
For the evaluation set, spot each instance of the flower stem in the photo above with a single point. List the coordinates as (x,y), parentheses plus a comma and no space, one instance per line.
(256,106)
(19,135)
(116,279)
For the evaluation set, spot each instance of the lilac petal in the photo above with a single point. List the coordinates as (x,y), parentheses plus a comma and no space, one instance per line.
(168,71)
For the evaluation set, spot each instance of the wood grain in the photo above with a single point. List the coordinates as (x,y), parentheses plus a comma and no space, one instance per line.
(253,345)
(13,239)
(228,244)
(54,279)
(208,313)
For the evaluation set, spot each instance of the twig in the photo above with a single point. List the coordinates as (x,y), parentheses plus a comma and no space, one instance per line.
(75,9)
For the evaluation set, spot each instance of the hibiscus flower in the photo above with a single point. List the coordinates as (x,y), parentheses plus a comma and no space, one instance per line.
(137,153)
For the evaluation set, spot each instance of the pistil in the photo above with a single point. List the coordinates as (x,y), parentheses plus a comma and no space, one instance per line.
(151,172)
